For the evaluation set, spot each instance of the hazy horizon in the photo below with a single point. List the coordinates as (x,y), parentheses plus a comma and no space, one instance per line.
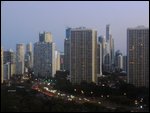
(22,21)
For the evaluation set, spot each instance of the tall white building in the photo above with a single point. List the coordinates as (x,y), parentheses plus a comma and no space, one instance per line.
(44,56)
(19,59)
(57,60)
(138,56)
(120,61)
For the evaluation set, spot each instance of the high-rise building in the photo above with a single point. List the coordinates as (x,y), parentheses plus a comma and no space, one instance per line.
(99,59)
(108,32)
(112,52)
(10,61)
(68,33)
(19,59)
(7,71)
(109,56)
(138,56)
(29,56)
(57,60)
(9,56)
(101,39)
(44,58)
(67,54)
(83,55)
(61,60)
(2,68)
(67,49)
(45,37)
(125,63)
(120,62)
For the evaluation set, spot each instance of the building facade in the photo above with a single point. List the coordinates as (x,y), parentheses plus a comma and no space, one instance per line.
(99,59)
(61,60)
(57,60)
(19,59)
(44,58)
(83,53)
(67,54)
(138,56)
(29,56)
(120,62)
(125,63)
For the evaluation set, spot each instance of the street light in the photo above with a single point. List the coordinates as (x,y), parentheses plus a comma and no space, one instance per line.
(82,91)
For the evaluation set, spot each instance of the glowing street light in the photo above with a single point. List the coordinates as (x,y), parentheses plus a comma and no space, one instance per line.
(124,94)
(99,102)
(82,91)
(107,95)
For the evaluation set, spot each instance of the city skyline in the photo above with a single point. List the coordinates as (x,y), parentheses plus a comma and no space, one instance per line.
(22,21)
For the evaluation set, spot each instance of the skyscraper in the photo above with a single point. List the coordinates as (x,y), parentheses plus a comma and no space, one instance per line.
(99,59)
(109,57)
(107,32)
(120,62)
(10,61)
(68,33)
(101,39)
(19,59)
(7,72)
(83,52)
(44,58)
(45,37)
(138,56)
(2,73)
(125,63)
(67,49)
(29,56)
(61,60)
(67,54)
(9,56)
(57,60)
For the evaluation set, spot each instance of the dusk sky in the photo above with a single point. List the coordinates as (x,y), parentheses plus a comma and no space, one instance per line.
(22,21)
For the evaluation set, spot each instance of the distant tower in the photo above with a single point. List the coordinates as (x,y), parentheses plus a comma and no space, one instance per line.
(61,60)
(138,56)
(45,37)
(125,63)
(67,49)
(120,61)
(57,60)
(29,56)
(109,66)
(19,59)
(107,32)
(10,59)
(68,33)
(44,56)
(99,59)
